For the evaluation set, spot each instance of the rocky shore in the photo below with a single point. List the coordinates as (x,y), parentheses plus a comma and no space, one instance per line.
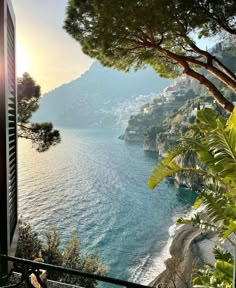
(189,249)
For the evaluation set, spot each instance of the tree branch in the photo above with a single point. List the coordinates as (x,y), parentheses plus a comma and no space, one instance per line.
(152,38)
(201,79)
(23,126)
(210,58)
(222,24)
(224,68)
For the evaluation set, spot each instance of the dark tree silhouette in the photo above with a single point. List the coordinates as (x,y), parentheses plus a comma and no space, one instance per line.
(42,135)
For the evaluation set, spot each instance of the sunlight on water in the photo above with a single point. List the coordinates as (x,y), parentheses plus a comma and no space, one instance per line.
(97,184)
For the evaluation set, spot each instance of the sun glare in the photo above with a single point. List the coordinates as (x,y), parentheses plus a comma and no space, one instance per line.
(23,60)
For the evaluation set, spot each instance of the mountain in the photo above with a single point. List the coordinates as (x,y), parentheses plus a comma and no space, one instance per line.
(100,97)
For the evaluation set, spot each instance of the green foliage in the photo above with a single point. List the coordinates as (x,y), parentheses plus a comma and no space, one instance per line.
(30,247)
(106,32)
(89,263)
(42,135)
(210,16)
(214,143)
(151,132)
(167,167)
(219,275)
(129,34)
(27,88)
(51,252)
(213,139)
(214,276)
(220,254)
(71,255)
(28,93)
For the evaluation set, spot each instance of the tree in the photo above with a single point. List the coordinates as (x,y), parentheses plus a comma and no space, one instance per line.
(73,259)
(51,252)
(127,33)
(71,256)
(28,93)
(28,245)
(49,249)
(42,135)
(212,16)
(213,140)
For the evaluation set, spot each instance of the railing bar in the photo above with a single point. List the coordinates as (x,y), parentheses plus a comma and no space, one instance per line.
(73,272)
(23,279)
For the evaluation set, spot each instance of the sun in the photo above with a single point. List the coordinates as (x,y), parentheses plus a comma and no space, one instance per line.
(23,63)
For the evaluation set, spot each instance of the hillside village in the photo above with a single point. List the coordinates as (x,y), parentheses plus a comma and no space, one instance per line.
(163,106)
(161,122)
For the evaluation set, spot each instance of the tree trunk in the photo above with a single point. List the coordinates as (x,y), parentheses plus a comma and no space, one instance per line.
(227,105)
(226,75)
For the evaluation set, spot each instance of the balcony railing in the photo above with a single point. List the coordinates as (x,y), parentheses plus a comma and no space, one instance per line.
(27,268)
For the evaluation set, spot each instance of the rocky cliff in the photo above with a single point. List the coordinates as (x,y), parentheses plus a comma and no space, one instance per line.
(193,182)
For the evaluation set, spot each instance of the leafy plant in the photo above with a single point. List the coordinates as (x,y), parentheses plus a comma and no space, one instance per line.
(50,250)
(218,275)
(213,140)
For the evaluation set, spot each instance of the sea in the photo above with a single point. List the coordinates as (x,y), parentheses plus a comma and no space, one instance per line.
(96,184)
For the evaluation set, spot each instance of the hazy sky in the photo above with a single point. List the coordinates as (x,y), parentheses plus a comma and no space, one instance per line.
(44,49)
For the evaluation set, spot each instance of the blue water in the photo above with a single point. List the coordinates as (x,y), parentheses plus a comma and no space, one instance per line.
(97,184)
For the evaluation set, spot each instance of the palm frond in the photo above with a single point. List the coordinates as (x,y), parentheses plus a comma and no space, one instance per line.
(207,120)
(180,149)
(220,254)
(232,119)
(162,171)
(215,205)
(227,230)
(198,222)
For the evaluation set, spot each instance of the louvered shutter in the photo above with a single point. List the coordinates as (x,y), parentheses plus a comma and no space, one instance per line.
(8,131)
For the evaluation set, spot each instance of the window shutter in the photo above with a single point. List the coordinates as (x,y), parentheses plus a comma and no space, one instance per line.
(8,131)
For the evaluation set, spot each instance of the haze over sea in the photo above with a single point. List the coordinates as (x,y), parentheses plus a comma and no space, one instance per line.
(97,184)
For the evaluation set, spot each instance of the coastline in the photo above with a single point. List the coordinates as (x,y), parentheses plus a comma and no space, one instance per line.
(189,247)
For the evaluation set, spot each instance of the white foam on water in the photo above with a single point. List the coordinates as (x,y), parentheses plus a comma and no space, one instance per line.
(150,267)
